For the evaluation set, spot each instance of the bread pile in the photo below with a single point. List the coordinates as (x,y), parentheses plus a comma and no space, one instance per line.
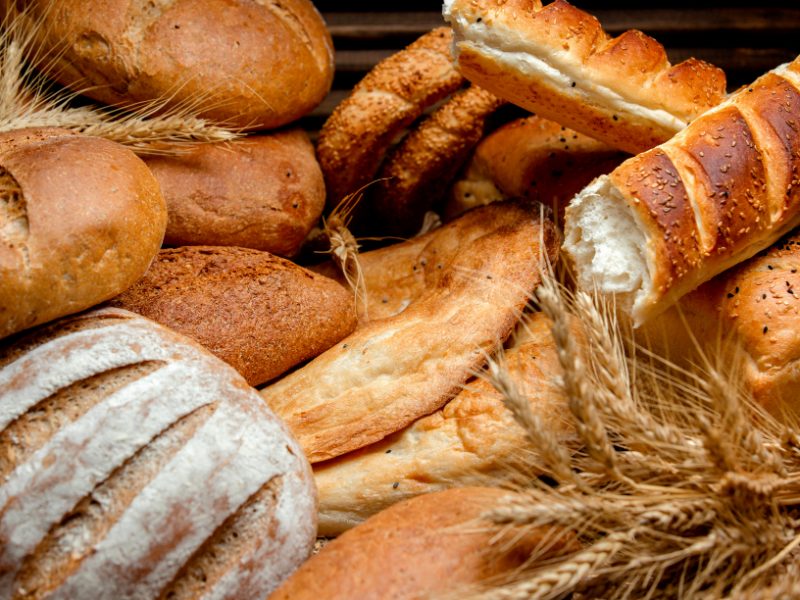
(136,463)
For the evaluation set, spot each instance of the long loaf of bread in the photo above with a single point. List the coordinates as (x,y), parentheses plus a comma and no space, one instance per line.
(671,218)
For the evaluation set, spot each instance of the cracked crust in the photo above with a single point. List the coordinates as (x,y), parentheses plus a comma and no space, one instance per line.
(581,70)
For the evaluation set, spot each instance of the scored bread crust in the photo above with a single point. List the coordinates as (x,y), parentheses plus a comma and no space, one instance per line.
(81,218)
(472,440)
(136,465)
(394,370)
(415,174)
(721,190)
(558,62)
(259,313)
(354,139)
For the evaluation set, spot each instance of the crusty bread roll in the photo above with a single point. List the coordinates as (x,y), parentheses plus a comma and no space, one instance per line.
(472,440)
(257,312)
(81,219)
(426,547)
(133,464)
(557,61)
(394,370)
(416,173)
(354,139)
(264,192)
(249,64)
(531,158)
(673,217)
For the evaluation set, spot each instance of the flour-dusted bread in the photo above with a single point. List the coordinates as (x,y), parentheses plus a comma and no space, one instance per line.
(395,370)
(81,219)
(472,440)
(671,218)
(248,64)
(264,192)
(426,547)
(133,464)
(260,313)
(557,62)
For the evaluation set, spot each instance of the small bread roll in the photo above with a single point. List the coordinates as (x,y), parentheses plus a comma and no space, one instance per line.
(557,62)
(81,219)
(255,65)
(264,192)
(257,312)
(426,547)
(133,464)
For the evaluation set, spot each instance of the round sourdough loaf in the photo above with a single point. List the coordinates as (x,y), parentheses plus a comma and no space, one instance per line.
(264,192)
(81,219)
(248,64)
(133,464)
(260,313)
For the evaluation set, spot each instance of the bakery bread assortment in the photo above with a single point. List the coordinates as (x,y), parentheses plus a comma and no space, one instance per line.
(425,547)
(671,218)
(558,62)
(395,370)
(531,158)
(136,465)
(81,219)
(472,440)
(259,313)
(255,65)
(263,191)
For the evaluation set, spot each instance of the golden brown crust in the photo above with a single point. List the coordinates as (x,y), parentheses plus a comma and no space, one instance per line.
(394,370)
(80,220)
(584,73)
(415,174)
(249,64)
(355,137)
(473,439)
(257,312)
(419,548)
(531,158)
(264,192)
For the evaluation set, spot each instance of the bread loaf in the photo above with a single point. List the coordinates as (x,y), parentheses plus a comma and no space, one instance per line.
(531,158)
(264,192)
(81,219)
(355,138)
(671,218)
(471,441)
(557,62)
(394,370)
(133,464)
(257,312)
(248,64)
(426,547)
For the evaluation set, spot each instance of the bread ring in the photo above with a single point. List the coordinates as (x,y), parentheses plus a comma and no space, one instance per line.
(558,62)
(417,172)
(355,137)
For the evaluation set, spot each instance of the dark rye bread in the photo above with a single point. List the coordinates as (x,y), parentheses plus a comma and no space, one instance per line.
(264,192)
(133,464)
(248,64)
(259,313)
(81,218)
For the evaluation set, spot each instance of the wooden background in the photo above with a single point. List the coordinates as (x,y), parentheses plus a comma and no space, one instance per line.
(744,42)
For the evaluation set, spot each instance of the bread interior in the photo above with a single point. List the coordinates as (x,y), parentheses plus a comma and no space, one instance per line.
(607,245)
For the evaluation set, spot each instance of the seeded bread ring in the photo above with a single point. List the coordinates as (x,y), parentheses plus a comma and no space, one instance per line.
(417,172)
(354,139)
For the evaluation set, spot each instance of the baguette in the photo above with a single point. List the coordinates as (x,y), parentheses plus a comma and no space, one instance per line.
(671,218)
(557,62)
(471,441)
(394,370)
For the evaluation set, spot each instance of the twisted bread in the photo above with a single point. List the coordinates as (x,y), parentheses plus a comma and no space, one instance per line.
(558,62)
(671,218)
